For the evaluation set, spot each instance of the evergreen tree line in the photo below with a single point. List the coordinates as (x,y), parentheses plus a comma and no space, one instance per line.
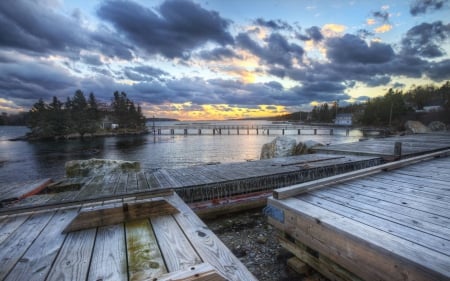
(393,108)
(82,115)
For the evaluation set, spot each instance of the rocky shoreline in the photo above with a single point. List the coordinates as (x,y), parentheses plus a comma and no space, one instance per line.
(254,241)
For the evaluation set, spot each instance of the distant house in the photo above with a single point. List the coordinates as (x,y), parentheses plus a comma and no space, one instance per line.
(108,124)
(343,119)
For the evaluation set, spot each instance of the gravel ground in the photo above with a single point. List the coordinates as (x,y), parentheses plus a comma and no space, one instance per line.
(254,242)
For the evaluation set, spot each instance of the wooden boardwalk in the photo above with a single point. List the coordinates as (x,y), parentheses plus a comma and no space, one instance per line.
(197,183)
(158,238)
(387,225)
(412,145)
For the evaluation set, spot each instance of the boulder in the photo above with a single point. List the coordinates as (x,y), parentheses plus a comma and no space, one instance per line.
(91,167)
(416,127)
(306,147)
(437,126)
(280,147)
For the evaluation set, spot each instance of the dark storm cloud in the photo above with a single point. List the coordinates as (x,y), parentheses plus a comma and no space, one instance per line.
(144,73)
(92,59)
(425,39)
(439,71)
(312,33)
(174,30)
(352,49)
(278,51)
(273,24)
(364,33)
(423,6)
(29,26)
(218,54)
(378,80)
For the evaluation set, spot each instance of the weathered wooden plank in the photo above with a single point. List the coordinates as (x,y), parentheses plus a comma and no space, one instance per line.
(109,261)
(109,215)
(152,180)
(13,247)
(175,247)
(369,253)
(142,182)
(132,184)
(411,219)
(9,224)
(121,186)
(74,256)
(90,190)
(437,210)
(144,257)
(308,186)
(394,208)
(317,261)
(208,246)
(201,272)
(439,186)
(37,261)
(20,191)
(390,226)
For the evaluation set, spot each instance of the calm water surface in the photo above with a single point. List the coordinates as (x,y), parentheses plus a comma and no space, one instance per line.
(21,160)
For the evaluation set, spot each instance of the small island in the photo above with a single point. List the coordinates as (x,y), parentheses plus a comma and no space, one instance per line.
(79,117)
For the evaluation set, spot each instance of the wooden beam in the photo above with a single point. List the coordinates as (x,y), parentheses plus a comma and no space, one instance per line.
(297,189)
(109,215)
(200,272)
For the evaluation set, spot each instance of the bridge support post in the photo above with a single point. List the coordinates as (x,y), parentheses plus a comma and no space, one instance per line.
(257,131)
(185,131)
(347,132)
(315,131)
(331,132)
(398,150)
(172,131)
(298,132)
(237,130)
(199,131)
(282,131)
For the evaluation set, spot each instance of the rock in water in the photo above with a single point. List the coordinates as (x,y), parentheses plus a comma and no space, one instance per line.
(279,147)
(416,127)
(91,167)
(437,126)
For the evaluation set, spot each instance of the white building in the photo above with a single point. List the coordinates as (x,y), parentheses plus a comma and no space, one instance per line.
(343,119)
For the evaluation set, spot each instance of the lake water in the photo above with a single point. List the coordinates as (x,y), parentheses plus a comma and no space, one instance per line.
(22,160)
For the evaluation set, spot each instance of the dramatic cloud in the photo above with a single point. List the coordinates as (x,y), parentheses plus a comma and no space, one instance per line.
(218,54)
(175,29)
(27,25)
(422,6)
(382,15)
(425,39)
(352,49)
(277,52)
(273,24)
(312,33)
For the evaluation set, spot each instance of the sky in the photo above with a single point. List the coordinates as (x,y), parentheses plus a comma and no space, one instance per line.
(215,59)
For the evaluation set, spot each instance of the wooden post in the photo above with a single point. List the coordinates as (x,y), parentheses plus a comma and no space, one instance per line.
(214,131)
(185,131)
(248,131)
(257,131)
(267,131)
(220,131)
(398,150)
(172,131)
(199,131)
(315,131)
(298,131)
(331,132)
(159,131)
(347,132)
(237,130)
(282,131)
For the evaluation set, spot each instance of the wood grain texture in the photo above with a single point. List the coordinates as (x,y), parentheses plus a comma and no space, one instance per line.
(109,260)
(208,246)
(368,252)
(200,272)
(72,262)
(37,261)
(13,247)
(144,257)
(175,247)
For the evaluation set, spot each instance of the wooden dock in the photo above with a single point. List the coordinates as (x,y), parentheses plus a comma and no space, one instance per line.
(411,145)
(217,183)
(390,222)
(157,238)
(272,129)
